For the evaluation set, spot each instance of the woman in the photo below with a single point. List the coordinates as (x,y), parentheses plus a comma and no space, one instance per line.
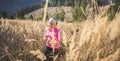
(52,38)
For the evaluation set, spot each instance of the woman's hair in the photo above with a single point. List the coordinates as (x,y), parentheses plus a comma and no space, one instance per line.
(52,20)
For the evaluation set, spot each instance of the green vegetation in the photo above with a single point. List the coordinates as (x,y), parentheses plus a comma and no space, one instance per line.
(4,14)
(60,16)
(78,11)
(20,14)
(61,3)
(113,9)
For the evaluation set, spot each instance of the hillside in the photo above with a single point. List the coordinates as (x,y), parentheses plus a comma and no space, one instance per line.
(51,11)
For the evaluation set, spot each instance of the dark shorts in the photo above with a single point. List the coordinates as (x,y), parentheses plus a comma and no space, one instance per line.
(49,53)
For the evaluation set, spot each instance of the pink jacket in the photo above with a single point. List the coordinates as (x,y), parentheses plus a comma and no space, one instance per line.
(49,36)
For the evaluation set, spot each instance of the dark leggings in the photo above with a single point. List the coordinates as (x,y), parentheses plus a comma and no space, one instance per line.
(49,52)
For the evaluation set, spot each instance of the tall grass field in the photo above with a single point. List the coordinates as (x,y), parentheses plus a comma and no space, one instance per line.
(91,40)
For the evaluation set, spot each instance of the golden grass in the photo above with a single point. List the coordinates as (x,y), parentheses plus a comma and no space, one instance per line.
(92,40)
(39,54)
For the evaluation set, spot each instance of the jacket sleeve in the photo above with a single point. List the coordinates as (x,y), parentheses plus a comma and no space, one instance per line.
(59,38)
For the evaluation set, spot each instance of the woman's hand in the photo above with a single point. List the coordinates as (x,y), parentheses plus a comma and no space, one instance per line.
(44,39)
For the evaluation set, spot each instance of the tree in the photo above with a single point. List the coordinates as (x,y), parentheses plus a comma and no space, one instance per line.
(53,2)
(78,11)
(62,15)
(4,14)
(56,16)
(20,14)
(70,3)
(61,2)
(11,16)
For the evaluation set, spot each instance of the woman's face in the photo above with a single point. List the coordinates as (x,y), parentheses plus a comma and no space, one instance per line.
(51,25)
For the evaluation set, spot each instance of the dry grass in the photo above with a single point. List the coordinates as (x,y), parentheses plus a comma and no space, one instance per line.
(39,54)
(93,40)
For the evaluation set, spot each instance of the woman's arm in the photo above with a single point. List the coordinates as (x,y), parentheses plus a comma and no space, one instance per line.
(59,40)
(60,37)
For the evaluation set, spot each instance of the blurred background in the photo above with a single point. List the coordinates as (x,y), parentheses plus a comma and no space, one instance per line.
(60,9)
